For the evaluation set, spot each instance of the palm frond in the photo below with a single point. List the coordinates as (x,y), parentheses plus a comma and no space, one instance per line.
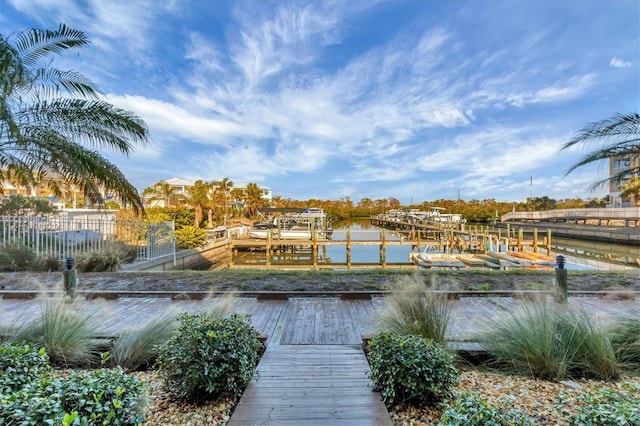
(35,44)
(621,127)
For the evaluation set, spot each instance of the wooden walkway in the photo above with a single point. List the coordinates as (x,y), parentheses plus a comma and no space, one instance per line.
(314,370)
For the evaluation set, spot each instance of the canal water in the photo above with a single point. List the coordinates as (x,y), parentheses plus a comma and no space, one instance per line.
(579,254)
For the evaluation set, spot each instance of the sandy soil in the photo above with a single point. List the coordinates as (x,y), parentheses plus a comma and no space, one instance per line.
(318,281)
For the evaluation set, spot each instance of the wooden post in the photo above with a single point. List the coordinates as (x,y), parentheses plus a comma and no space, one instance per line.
(383,249)
(70,279)
(548,242)
(560,281)
(348,249)
(268,249)
(520,238)
(535,240)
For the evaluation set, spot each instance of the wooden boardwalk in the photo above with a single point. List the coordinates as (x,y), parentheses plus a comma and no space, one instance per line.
(314,370)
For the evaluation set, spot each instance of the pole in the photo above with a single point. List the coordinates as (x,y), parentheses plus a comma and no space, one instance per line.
(560,281)
(70,279)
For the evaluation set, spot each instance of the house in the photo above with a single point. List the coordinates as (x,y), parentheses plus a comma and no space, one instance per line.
(180,189)
(616,166)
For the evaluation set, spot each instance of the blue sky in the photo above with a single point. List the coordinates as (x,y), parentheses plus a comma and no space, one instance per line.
(413,99)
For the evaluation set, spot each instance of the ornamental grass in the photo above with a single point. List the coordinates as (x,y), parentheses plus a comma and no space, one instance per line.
(414,308)
(551,342)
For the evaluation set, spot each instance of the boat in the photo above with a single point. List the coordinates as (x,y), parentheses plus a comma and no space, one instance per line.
(535,258)
(421,259)
(304,224)
(428,258)
(471,260)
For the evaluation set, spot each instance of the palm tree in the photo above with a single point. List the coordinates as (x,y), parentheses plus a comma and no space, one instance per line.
(254,199)
(199,198)
(223,188)
(161,190)
(620,136)
(52,120)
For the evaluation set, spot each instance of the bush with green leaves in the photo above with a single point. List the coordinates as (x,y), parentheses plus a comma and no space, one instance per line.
(102,397)
(189,237)
(209,357)
(618,406)
(414,308)
(551,342)
(410,368)
(472,409)
(21,364)
(106,396)
(31,395)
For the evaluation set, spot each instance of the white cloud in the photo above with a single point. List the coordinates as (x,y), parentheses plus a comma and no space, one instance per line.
(619,63)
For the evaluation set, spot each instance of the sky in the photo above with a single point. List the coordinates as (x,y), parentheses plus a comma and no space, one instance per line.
(413,99)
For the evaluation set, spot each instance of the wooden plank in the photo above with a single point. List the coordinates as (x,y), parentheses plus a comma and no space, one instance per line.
(311,384)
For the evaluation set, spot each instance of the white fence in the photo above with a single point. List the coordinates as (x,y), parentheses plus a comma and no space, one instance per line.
(62,236)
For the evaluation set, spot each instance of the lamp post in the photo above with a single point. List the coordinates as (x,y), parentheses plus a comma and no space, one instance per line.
(70,278)
(560,280)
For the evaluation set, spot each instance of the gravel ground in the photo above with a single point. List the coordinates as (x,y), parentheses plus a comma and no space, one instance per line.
(235,280)
(537,398)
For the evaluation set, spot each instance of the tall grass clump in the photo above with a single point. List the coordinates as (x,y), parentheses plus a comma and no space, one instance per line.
(414,308)
(108,259)
(551,342)
(64,331)
(625,340)
(16,257)
(137,348)
(219,307)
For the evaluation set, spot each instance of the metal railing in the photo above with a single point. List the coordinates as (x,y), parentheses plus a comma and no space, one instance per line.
(617,213)
(62,235)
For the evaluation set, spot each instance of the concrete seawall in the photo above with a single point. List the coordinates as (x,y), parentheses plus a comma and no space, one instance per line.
(215,255)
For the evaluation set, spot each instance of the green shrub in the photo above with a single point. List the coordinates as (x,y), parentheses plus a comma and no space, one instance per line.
(472,409)
(21,364)
(138,348)
(64,331)
(16,257)
(189,237)
(551,342)
(604,407)
(414,308)
(209,357)
(625,341)
(410,369)
(103,397)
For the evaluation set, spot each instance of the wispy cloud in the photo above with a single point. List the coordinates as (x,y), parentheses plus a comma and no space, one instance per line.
(619,63)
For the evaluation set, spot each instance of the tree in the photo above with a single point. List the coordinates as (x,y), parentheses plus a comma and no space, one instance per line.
(17,205)
(162,191)
(254,200)
(631,188)
(52,120)
(223,189)
(620,136)
(199,198)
